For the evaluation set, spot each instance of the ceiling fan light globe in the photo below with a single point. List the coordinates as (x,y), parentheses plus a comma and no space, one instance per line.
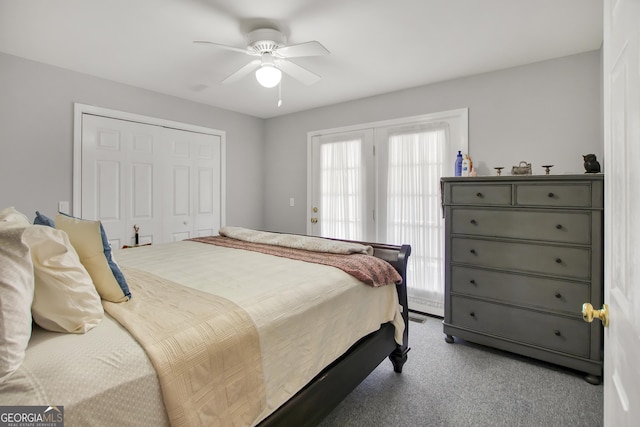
(268,76)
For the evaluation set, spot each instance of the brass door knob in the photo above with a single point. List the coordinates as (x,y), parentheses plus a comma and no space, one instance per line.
(588,313)
(314,220)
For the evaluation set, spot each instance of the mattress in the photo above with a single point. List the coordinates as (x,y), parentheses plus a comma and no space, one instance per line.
(306,316)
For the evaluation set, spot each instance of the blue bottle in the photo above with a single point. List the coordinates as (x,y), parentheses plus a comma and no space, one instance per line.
(458,167)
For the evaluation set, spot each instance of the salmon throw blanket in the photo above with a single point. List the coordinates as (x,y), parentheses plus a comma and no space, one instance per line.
(366,268)
(204,348)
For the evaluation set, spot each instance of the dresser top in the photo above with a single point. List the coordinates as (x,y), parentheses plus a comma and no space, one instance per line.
(562,177)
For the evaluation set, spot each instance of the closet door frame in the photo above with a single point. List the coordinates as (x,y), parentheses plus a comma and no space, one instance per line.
(81,109)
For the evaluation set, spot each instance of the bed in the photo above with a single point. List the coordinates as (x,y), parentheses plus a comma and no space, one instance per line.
(298,337)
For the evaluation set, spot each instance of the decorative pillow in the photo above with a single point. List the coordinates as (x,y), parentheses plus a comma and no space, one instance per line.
(91,244)
(16,295)
(41,219)
(113,265)
(65,299)
(12,215)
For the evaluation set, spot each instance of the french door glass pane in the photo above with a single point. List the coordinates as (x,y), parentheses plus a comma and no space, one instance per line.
(415,163)
(341,192)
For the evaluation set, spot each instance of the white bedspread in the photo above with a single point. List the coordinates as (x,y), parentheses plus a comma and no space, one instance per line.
(306,316)
(83,373)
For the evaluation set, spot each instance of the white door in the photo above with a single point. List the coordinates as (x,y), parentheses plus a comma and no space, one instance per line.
(119,176)
(381,182)
(343,186)
(411,159)
(166,182)
(192,187)
(622,209)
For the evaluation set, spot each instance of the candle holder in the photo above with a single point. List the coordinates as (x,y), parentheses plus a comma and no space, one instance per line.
(499,170)
(547,169)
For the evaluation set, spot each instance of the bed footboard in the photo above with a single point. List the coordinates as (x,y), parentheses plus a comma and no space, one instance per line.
(398,257)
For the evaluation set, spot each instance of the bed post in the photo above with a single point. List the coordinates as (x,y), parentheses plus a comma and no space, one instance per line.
(399,355)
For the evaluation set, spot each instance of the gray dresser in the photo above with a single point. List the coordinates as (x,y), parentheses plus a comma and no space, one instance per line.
(523,253)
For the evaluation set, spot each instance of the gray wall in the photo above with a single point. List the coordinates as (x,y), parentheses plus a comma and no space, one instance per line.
(545,113)
(36,136)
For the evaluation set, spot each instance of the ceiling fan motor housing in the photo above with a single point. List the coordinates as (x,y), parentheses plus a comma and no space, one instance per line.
(266,40)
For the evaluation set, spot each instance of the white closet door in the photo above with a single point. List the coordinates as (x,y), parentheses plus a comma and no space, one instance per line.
(207,217)
(119,169)
(165,181)
(192,185)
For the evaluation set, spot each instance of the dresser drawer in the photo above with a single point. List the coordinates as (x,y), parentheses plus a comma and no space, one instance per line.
(565,227)
(547,294)
(561,261)
(558,333)
(568,195)
(478,194)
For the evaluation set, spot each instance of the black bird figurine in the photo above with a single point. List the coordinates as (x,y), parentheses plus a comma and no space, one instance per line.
(591,165)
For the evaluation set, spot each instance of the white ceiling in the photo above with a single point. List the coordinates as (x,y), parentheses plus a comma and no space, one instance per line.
(376,46)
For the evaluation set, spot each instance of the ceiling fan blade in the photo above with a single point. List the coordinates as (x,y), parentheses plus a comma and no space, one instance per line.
(312,48)
(297,72)
(224,46)
(242,72)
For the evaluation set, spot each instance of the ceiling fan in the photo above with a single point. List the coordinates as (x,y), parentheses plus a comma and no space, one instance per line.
(273,54)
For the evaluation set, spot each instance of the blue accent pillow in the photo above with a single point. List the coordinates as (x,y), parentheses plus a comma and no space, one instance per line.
(41,219)
(106,247)
(117,273)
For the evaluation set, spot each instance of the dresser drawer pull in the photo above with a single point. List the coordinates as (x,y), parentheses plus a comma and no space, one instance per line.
(473,282)
(559,226)
(558,260)
(551,195)
(557,332)
(558,295)
(479,195)
(473,251)
(472,314)
(473,221)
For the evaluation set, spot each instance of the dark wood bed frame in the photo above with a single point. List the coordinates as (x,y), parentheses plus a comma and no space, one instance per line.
(318,398)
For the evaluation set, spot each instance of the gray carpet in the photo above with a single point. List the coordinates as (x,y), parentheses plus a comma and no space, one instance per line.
(465,384)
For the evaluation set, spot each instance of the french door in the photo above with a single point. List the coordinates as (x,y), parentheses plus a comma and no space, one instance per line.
(343,185)
(382,183)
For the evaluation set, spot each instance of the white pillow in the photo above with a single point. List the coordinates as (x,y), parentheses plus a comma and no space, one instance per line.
(10,214)
(65,299)
(16,295)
